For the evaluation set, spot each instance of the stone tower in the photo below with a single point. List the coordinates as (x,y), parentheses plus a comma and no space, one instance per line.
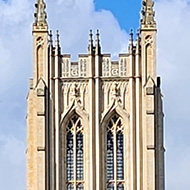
(95,124)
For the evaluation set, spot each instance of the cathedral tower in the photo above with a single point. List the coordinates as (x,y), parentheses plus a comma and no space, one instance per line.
(95,124)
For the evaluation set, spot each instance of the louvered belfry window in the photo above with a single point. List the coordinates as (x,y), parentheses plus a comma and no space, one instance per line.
(74,154)
(114,154)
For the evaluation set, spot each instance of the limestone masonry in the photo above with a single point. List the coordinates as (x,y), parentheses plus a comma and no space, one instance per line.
(95,124)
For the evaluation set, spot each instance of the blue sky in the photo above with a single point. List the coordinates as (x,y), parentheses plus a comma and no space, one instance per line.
(74,18)
(127,12)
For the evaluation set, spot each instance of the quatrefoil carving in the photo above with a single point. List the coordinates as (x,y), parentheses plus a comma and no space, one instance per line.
(39,41)
(148,40)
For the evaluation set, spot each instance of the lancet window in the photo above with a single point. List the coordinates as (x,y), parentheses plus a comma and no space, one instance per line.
(114,154)
(74,154)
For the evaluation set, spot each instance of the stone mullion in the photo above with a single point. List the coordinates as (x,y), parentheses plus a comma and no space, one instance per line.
(115,157)
(75,162)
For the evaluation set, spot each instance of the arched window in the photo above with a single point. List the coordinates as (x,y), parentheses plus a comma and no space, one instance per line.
(74,154)
(114,154)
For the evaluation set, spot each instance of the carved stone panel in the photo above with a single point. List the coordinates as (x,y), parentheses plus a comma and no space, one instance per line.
(105,67)
(115,69)
(74,69)
(83,67)
(65,67)
(114,91)
(74,92)
(123,67)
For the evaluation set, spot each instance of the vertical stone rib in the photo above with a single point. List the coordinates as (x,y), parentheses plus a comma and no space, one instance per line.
(92,115)
(138,110)
(57,110)
(97,89)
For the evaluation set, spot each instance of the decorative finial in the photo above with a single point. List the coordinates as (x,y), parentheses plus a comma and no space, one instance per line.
(90,37)
(138,42)
(40,15)
(97,34)
(138,33)
(131,35)
(130,48)
(98,48)
(57,46)
(90,44)
(50,37)
(57,37)
(148,14)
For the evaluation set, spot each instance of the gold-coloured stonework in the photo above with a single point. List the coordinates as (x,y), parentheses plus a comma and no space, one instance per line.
(95,124)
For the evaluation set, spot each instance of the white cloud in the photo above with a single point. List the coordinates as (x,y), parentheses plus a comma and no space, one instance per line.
(12,159)
(173,17)
(12,150)
(74,19)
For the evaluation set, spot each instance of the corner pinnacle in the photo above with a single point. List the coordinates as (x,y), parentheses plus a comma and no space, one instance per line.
(40,14)
(148,14)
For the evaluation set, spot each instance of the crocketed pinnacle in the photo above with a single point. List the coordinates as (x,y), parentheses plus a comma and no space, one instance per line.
(148,14)
(90,44)
(40,14)
(98,48)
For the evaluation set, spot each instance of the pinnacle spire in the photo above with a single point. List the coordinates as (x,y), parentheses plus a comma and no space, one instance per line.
(90,44)
(50,38)
(90,38)
(57,38)
(138,42)
(98,48)
(130,48)
(148,14)
(57,43)
(40,14)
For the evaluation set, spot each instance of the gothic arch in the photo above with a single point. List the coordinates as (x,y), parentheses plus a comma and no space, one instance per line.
(117,108)
(123,117)
(73,111)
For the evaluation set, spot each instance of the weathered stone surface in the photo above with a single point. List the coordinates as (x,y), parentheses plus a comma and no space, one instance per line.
(95,89)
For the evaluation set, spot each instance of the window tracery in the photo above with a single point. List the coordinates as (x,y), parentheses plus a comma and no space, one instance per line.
(114,154)
(74,154)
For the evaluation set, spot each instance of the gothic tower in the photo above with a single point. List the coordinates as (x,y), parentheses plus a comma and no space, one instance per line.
(95,124)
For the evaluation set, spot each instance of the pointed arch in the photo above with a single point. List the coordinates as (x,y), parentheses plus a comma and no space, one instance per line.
(115,130)
(73,127)
(39,63)
(114,108)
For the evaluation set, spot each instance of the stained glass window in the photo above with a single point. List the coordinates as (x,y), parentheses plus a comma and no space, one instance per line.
(114,154)
(74,143)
